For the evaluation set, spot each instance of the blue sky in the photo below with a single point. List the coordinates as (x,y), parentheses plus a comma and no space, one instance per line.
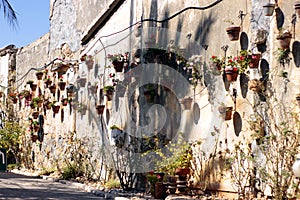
(33,20)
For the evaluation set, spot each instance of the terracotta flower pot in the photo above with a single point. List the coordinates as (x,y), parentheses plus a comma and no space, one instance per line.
(297,8)
(89,64)
(182,171)
(233,32)
(33,86)
(48,82)
(39,75)
(35,115)
(100,109)
(228,113)
(118,65)
(231,74)
(269,9)
(284,40)
(55,109)
(34,138)
(255,58)
(81,81)
(62,85)
(93,89)
(64,101)
(52,89)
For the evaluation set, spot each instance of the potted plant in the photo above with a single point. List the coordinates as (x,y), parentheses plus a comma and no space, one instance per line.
(93,88)
(35,114)
(13,97)
(29,82)
(283,55)
(156,185)
(118,60)
(186,102)
(298,99)
(39,75)
(55,108)
(61,83)
(35,126)
(109,91)
(297,8)
(231,70)
(61,67)
(52,88)
(26,94)
(100,109)
(64,101)
(37,101)
(284,37)
(254,62)
(233,31)
(89,61)
(47,81)
(226,111)
(269,9)
(81,81)
(47,104)
(217,64)
(34,138)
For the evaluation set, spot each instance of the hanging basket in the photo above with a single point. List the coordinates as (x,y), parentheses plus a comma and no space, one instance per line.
(231,74)
(100,109)
(233,32)
(269,9)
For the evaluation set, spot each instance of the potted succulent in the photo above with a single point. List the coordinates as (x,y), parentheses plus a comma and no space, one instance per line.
(233,31)
(284,37)
(269,9)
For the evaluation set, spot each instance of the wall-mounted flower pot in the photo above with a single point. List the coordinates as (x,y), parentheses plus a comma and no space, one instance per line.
(47,105)
(216,68)
(89,64)
(284,40)
(33,86)
(255,58)
(228,113)
(298,99)
(35,115)
(62,85)
(297,8)
(28,97)
(39,75)
(109,94)
(64,101)
(36,128)
(55,109)
(52,89)
(15,100)
(269,9)
(93,89)
(48,82)
(186,102)
(231,74)
(34,138)
(100,109)
(118,65)
(233,32)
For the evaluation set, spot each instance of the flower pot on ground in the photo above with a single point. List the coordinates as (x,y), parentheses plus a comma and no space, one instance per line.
(284,38)
(62,85)
(100,109)
(297,8)
(233,32)
(269,9)
(159,190)
(186,102)
(39,75)
(182,171)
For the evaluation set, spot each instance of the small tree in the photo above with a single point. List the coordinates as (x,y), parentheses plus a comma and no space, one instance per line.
(10,138)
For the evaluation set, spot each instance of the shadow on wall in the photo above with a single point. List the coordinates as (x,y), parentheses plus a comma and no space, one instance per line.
(279,18)
(203,28)
(296,53)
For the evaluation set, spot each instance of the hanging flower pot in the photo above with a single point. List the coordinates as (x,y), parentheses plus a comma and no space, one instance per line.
(118,65)
(284,39)
(61,67)
(93,89)
(89,64)
(254,61)
(62,85)
(39,75)
(35,115)
(15,100)
(64,101)
(47,105)
(100,109)
(269,9)
(233,32)
(297,8)
(109,92)
(55,108)
(47,82)
(186,102)
(231,74)
(228,113)
(33,86)
(52,89)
